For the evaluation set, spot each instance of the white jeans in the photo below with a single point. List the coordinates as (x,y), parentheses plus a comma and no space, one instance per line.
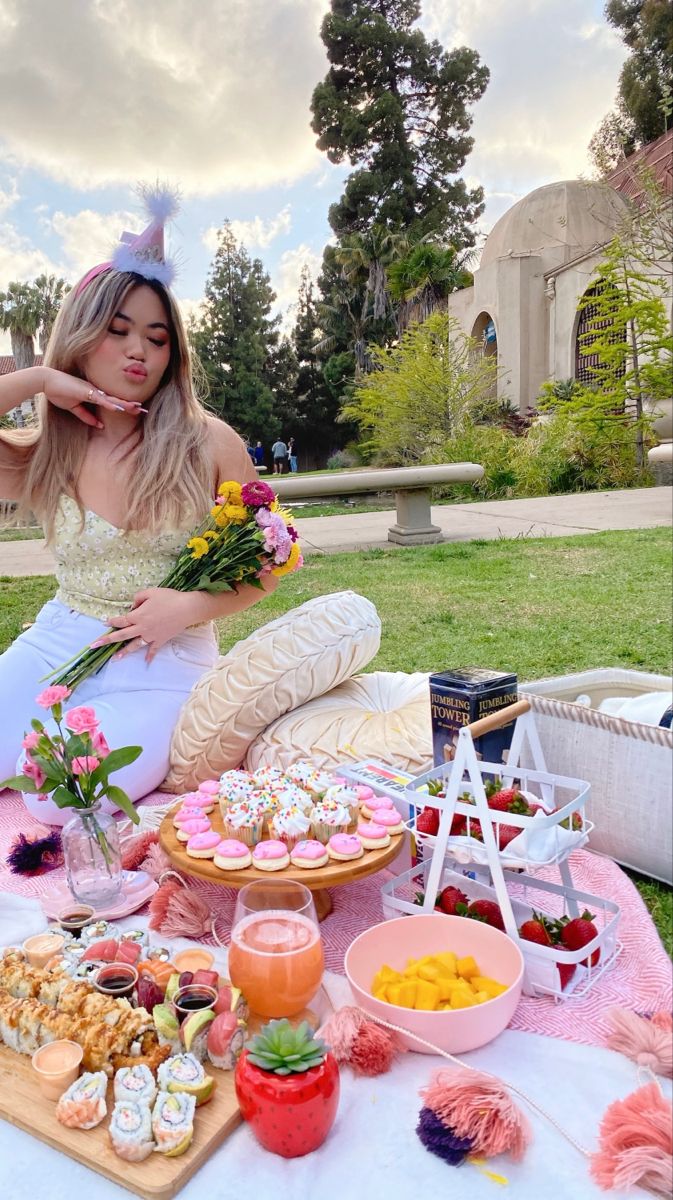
(137,703)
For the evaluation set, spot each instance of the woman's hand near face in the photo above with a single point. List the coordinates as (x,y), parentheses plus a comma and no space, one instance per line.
(72,394)
(158,614)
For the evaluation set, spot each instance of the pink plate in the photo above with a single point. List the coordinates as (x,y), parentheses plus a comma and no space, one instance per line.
(138,889)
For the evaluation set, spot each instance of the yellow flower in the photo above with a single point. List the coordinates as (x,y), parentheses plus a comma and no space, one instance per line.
(291,563)
(218,515)
(198,546)
(209,534)
(230,492)
(285,513)
(236,513)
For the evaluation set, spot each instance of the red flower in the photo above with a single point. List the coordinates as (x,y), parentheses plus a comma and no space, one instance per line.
(257,494)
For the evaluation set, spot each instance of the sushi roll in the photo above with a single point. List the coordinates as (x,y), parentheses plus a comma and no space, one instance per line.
(130,1130)
(184,1073)
(83,1105)
(173,1122)
(225,1040)
(135,1083)
(97,930)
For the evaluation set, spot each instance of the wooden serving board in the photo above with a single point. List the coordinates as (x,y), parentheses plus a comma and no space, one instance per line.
(158,1177)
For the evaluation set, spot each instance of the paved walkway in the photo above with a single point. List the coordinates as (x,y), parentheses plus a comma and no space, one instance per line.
(546,516)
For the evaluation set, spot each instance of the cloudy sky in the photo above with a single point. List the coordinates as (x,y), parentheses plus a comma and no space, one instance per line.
(214,97)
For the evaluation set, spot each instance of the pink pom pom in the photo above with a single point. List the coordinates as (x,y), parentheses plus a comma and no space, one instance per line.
(645,1042)
(478,1107)
(155,862)
(662,1020)
(179,912)
(366,1047)
(135,849)
(636,1143)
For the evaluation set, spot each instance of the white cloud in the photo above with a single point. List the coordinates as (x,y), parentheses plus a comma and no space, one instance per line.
(20,260)
(215,95)
(257,232)
(8,196)
(286,276)
(89,237)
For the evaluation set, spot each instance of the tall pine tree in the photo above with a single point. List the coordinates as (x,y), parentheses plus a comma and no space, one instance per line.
(396,106)
(237,338)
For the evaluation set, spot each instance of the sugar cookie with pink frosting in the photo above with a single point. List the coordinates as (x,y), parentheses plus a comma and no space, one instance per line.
(309,854)
(372,836)
(372,804)
(189,828)
(232,855)
(203,845)
(344,847)
(390,819)
(270,855)
(188,812)
(198,800)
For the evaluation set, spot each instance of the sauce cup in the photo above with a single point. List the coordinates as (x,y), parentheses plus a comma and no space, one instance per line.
(43,946)
(73,918)
(194,960)
(115,979)
(193,997)
(57,1066)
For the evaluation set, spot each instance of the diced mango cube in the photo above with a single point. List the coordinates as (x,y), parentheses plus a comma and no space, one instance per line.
(427,995)
(462,999)
(481,997)
(448,959)
(408,993)
(444,971)
(467,967)
(411,969)
(379,993)
(428,972)
(485,984)
(388,974)
(446,987)
(393,993)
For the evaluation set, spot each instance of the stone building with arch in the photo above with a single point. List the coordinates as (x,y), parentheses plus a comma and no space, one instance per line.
(537,263)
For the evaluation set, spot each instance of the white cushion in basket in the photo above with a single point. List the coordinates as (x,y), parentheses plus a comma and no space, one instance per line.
(385,716)
(279,667)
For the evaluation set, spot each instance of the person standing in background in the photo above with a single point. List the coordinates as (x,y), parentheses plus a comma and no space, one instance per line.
(279,451)
(292,454)
(258,455)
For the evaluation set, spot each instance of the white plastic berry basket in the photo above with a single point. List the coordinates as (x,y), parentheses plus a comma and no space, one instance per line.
(400,896)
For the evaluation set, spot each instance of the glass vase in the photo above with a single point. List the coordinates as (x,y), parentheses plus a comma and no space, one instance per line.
(93,857)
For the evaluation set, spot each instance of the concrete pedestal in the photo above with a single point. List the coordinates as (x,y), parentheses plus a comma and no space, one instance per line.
(660,459)
(414,524)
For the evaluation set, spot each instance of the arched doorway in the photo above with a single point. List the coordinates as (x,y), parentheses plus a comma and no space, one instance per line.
(593,319)
(485,337)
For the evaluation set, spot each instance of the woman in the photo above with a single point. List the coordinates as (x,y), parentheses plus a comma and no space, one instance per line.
(122,466)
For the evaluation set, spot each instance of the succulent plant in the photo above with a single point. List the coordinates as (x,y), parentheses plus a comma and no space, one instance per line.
(284,1050)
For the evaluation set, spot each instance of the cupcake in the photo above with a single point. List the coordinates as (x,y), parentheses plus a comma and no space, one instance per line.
(300,772)
(390,819)
(189,828)
(245,821)
(203,845)
(291,795)
(339,793)
(268,778)
(270,855)
(318,784)
(290,825)
(234,786)
(309,854)
(232,855)
(327,818)
(344,847)
(372,836)
(372,805)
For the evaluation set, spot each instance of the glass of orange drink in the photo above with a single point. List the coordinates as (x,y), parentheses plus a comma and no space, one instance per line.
(276,955)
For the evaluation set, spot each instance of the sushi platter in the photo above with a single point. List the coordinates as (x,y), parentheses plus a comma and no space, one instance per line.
(156,1095)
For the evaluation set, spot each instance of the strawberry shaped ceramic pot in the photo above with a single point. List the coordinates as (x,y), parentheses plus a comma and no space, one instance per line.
(287,1086)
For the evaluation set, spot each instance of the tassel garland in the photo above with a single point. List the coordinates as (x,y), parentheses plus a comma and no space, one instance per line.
(366,1047)
(477,1109)
(636,1143)
(35,852)
(646,1041)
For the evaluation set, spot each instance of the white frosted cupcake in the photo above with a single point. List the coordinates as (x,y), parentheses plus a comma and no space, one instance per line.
(234,786)
(245,821)
(290,795)
(318,784)
(300,772)
(268,778)
(329,818)
(290,825)
(339,793)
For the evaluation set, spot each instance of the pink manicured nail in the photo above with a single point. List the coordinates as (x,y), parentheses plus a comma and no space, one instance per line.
(95,645)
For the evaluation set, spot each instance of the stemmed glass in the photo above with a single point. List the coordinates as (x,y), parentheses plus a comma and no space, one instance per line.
(276,955)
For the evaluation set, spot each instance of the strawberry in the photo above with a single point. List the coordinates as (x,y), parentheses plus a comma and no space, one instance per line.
(506,834)
(573,822)
(428,821)
(488,912)
(535,930)
(450,899)
(577,933)
(565,973)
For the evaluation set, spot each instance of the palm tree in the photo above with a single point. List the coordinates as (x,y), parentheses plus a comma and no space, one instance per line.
(365,259)
(421,280)
(52,291)
(21,314)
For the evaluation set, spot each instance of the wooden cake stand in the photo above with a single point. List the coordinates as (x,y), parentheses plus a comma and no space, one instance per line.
(318,879)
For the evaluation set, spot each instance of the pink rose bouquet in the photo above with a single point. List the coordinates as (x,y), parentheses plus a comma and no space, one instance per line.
(74,763)
(246,535)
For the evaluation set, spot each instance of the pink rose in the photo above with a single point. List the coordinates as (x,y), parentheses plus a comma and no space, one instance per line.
(34,772)
(99,745)
(30,740)
(55,694)
(81,720)
(85,764)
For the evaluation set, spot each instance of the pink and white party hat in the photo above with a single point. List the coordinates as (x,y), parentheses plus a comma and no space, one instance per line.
(144,253)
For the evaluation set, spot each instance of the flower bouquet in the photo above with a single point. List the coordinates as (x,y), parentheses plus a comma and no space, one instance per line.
(245,536)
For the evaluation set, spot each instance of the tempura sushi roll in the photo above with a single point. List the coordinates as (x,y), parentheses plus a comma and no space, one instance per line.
(83,1105)
(135,1083)
(130,1130)
(184,1073)
(173,1122)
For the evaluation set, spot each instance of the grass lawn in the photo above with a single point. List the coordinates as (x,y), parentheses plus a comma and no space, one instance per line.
(21,533)
(534,606)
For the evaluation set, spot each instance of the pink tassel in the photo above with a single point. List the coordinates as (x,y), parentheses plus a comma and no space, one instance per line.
(365,1046)
(636,1143)
(647,1043)
(135,849)
(155,862)
(478,1107)
(662,1020)
(179,912)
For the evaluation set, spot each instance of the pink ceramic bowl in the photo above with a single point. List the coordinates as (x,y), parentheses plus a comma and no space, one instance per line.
(393,942)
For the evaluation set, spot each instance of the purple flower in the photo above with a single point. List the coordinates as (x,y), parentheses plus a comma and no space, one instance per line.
(257,494)
(276,538)
(292,532)
(440,1140)
(263,518)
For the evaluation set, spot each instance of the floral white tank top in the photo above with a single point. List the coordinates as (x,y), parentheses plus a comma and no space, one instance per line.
(99,567)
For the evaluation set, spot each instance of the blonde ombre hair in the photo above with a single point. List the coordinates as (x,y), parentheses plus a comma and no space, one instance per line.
(171,479)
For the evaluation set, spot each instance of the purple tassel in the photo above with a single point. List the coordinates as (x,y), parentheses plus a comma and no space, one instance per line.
(440,1140)
(33,854)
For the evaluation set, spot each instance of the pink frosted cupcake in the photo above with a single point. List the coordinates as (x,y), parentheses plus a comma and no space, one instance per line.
(329,817)
(190,828)
(270,855)
(203,845)
(372,836)
(232,855)
(344,847)
(290,825)
(372,805)
(245,821)
(309,854)
(390,819)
